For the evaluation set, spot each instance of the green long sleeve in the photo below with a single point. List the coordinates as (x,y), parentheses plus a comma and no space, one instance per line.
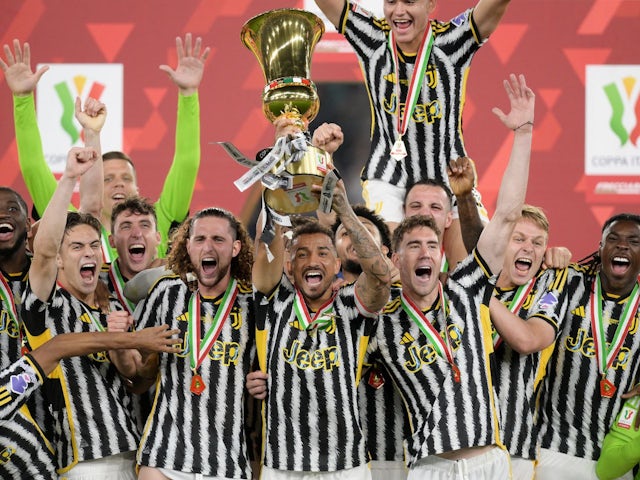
(37,175)
(621,447)
(175,198)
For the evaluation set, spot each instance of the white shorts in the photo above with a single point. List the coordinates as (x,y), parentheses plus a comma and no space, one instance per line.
(522,468)
(177,475)
(492,465)
(384,199)
(388,470)
(388,200)
(114,467)
(554,465)
(358,473)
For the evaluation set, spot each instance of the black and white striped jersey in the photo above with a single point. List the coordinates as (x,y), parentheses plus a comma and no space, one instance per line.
(24,450)
(518,377)
(311,411)
(86,395)
(445,415)
(434,134)
(382,415)
(208,428)
(575,416)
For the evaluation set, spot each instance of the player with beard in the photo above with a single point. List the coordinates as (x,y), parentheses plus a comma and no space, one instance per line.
(382,414)
(596,359)
(199,401)
(61,298)
(435,338)
(310,342)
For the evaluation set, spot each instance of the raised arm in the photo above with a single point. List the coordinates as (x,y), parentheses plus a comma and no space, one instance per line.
(175,198)
(462,179)
(328,137)
(92,119)
(332,9)
(495,236)
(22,81)
(267,274)
(44,269)
(374,283)
(487,15)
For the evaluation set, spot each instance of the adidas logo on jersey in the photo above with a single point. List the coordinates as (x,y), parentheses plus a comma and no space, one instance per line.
(407,338)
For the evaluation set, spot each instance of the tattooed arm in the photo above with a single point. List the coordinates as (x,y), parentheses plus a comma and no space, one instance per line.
(373,284)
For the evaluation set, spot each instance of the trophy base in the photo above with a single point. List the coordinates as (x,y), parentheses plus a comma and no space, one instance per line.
(308,171)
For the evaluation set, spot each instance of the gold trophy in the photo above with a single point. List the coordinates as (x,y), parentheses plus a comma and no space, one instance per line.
(283,41)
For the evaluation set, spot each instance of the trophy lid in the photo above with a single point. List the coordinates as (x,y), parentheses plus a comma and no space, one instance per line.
(283,41)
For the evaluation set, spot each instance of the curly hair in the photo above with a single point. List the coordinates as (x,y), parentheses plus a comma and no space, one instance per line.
(178,259)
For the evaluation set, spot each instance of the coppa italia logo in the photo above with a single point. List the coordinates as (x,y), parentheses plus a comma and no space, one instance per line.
(67,100)
(624,97)
(55,107)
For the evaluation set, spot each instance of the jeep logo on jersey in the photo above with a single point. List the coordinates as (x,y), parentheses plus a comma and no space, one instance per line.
(55,99)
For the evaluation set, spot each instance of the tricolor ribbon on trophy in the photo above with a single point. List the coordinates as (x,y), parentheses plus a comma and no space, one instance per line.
(283,41)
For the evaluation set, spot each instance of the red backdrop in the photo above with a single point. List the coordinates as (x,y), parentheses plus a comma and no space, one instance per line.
(550,41)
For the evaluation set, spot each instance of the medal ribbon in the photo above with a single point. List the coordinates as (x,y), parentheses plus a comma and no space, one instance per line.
(200,349)
(416,77)
(322,317)
(107,255)
(6,295)
(604,354)
(444,266)
(442,347)
(514,307)
(7,298)
(117,280)
(96,323)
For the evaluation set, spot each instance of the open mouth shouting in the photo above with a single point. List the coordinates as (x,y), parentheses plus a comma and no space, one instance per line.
(424,272)
(402,25)
(88,271)
(209,265)
(313,277)
(6,231)
(620,265)
(137,251)
(523,265)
